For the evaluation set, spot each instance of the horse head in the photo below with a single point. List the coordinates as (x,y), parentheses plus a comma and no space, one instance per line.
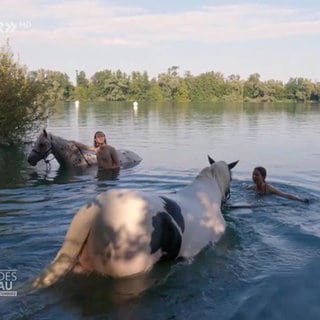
(222,172)
(41,149)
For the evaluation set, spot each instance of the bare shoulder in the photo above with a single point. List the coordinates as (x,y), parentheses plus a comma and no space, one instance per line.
(251,187)
(270,188)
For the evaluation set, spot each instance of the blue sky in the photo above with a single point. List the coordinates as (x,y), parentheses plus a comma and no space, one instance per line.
(277,39)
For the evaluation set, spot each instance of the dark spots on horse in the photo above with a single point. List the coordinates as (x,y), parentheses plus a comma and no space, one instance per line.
(168,228)
(175,211)
(120,195)
(96,202)
(165,236)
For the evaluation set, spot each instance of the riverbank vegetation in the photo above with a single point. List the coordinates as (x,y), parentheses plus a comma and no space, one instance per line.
(25,100)
(26,96)
(210,86)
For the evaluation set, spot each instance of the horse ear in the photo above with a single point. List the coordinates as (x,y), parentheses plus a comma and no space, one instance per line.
(45,133)
(232,164)
(211,161)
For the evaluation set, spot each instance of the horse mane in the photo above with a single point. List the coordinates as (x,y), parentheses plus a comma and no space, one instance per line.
(54,137)
(219,171)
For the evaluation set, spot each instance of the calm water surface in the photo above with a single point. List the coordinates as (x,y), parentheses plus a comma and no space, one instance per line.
(266,266)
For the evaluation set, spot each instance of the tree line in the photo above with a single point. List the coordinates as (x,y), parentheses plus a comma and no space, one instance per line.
(108,85)
(26,96)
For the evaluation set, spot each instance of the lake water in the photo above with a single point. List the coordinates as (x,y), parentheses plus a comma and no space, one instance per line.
(267,264)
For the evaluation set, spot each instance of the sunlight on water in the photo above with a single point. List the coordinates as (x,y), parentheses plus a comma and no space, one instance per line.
(266,266)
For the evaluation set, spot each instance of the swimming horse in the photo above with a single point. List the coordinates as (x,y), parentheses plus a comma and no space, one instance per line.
(68,154)
(125,232)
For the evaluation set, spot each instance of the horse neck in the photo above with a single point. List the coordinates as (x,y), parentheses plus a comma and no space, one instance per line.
(203,182)
(204,185)
(58,146)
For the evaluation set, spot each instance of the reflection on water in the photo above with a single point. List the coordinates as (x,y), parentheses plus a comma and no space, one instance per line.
(281,137)
(12,166)
(107,174)
(268,256)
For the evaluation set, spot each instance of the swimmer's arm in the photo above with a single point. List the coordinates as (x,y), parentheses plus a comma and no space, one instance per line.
(280,193)
(83,146)
(115,158)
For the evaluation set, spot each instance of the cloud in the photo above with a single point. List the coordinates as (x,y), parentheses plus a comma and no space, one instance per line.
(100,24)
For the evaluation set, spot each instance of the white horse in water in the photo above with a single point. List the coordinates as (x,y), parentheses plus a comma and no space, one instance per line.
(68,154)
(125,232)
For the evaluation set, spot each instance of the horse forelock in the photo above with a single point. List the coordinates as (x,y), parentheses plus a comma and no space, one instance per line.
(42,140)
(223,175)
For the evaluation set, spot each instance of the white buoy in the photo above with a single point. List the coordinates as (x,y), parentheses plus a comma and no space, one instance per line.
(77,103)
(135,105)
(135,108)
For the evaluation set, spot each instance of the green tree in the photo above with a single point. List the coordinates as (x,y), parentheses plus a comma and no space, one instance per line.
(168,83)
(117,87)
(138,86)
(100,82)
(273,90)
(254,88)
(182,93)
(81,91)
(58,84)
(209,86)
(81,79)
(154,93)
(111,86)
(299,89)
(24,100)
(233,88)
(315,96)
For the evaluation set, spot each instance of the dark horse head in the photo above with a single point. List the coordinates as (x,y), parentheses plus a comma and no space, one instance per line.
(41,149)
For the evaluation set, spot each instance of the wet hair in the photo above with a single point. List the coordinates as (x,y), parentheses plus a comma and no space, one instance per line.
(95,136)
(262,171)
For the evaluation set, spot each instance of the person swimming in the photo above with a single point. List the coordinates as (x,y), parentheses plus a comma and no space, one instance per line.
(259,175)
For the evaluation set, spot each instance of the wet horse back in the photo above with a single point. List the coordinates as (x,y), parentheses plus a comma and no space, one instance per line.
(119,242)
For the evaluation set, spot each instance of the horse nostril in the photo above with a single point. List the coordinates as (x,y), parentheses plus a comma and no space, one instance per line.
(31,161)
